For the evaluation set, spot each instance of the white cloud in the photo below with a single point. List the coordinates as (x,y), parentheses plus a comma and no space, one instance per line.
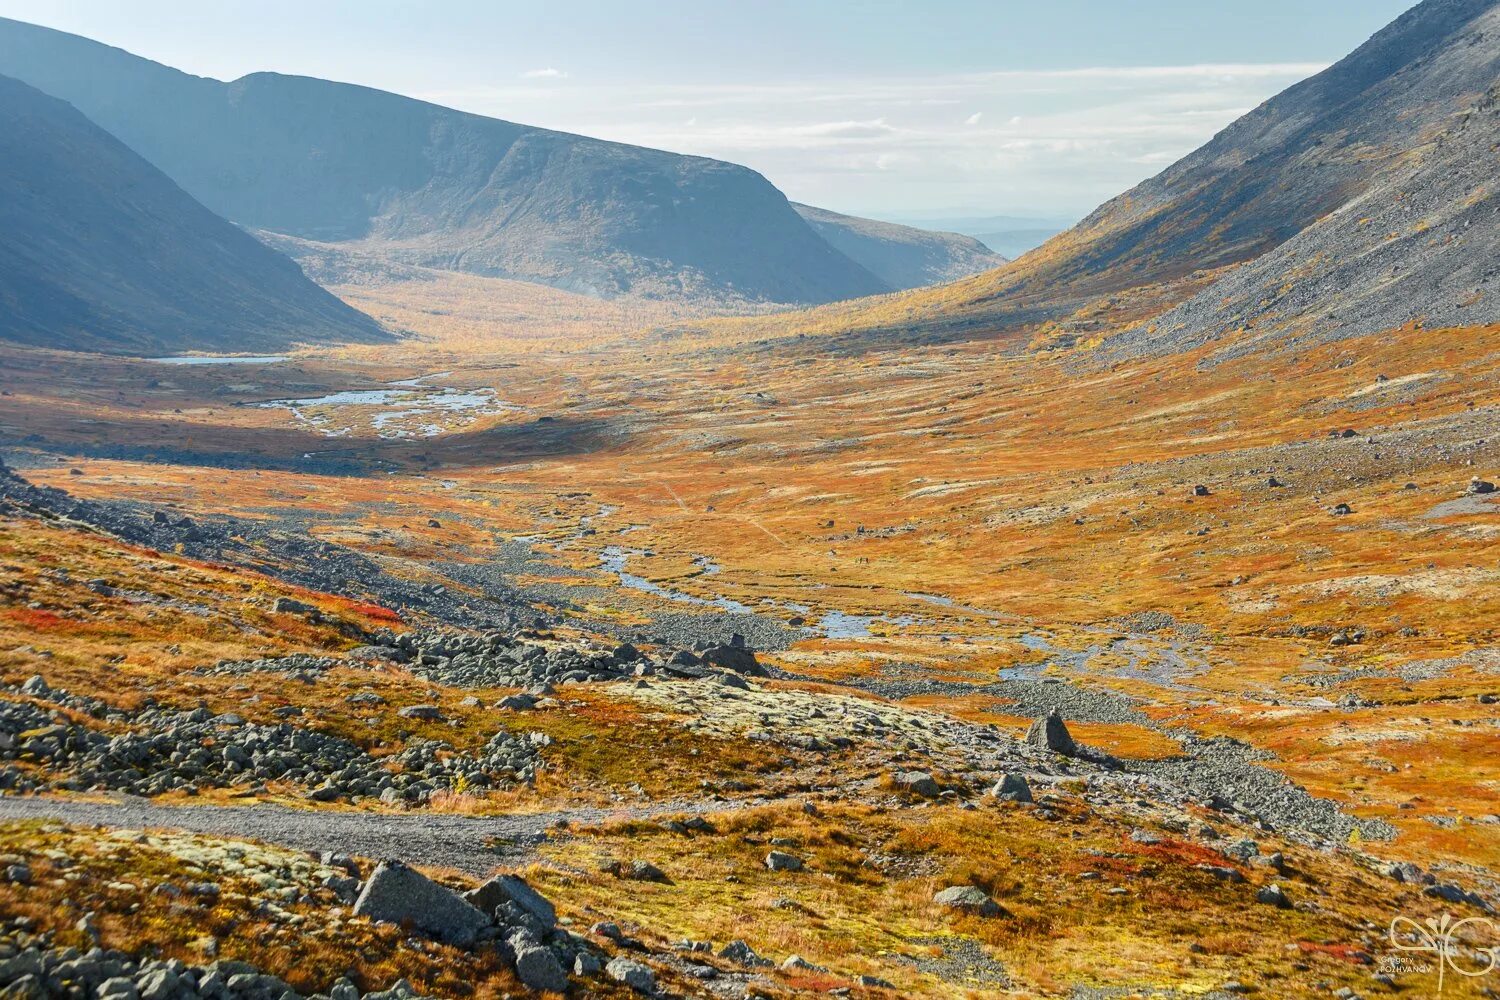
(1071,138)
(874,129)
(544,74)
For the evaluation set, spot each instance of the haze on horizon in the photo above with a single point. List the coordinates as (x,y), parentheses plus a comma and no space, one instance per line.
(967,109)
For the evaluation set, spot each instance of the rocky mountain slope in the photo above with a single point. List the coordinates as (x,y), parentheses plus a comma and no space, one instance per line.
(100,251)
(1371,182)
(1304,153)
(441,188)
(901,256)
(1419,244)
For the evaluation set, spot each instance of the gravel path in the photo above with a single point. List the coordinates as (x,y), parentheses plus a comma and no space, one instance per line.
(460,842)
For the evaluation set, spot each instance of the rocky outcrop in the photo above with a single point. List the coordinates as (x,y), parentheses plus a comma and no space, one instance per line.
(968,899)
(1051,733)
(401,895)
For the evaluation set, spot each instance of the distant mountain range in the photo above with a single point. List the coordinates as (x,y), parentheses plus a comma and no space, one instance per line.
(101,251)
(426,185)
(901,256)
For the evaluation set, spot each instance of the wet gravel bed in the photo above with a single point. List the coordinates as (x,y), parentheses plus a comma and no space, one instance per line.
(687,629)
(1227,773)
(1031,697)
(961,961)
(1230,773)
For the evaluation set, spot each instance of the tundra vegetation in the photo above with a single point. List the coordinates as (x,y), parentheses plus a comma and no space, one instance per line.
(1098,626)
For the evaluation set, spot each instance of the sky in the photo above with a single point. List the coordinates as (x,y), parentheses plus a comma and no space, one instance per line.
(940,108)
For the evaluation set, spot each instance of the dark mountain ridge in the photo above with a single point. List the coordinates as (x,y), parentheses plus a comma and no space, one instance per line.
(440,188)
(101,251)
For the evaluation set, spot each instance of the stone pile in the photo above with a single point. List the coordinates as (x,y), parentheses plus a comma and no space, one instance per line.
(35,966)
(504,913)
(165,750)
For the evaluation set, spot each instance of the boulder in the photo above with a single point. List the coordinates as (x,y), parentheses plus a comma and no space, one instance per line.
(1273,895)
(1405,871)
(781,861)
(634,974)
(1456,894)
(738,951)
(1222,873)
(918,783)
(539,969)
(1012,788)
(401,895)
(968,899)
(736,658)
(643,871)
(513,889)
(1051,733)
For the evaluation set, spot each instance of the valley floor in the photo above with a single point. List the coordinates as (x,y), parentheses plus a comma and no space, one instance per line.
(1263,593)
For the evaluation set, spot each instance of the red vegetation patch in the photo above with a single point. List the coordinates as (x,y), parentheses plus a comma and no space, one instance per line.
(1178,851)
(36,619)
(1343,952)
(375,611)
(817,982)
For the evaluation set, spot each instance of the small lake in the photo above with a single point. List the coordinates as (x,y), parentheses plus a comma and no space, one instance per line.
(402,409)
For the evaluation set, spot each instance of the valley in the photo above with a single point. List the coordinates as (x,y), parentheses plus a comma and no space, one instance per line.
(975,536)
(442,557)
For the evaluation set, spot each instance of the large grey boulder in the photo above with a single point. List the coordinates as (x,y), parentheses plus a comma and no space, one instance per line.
(918,783)
(736,658)
(1273,895)
(400,895)
(513,889)
(1012,788)
(637,976)
(539,968)
(968,899)
(739,951)
(1051,733)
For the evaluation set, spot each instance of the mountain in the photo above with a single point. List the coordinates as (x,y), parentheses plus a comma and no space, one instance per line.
(1419,245)
(901,256)
(434,187)
(100,251)
(1359,199)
